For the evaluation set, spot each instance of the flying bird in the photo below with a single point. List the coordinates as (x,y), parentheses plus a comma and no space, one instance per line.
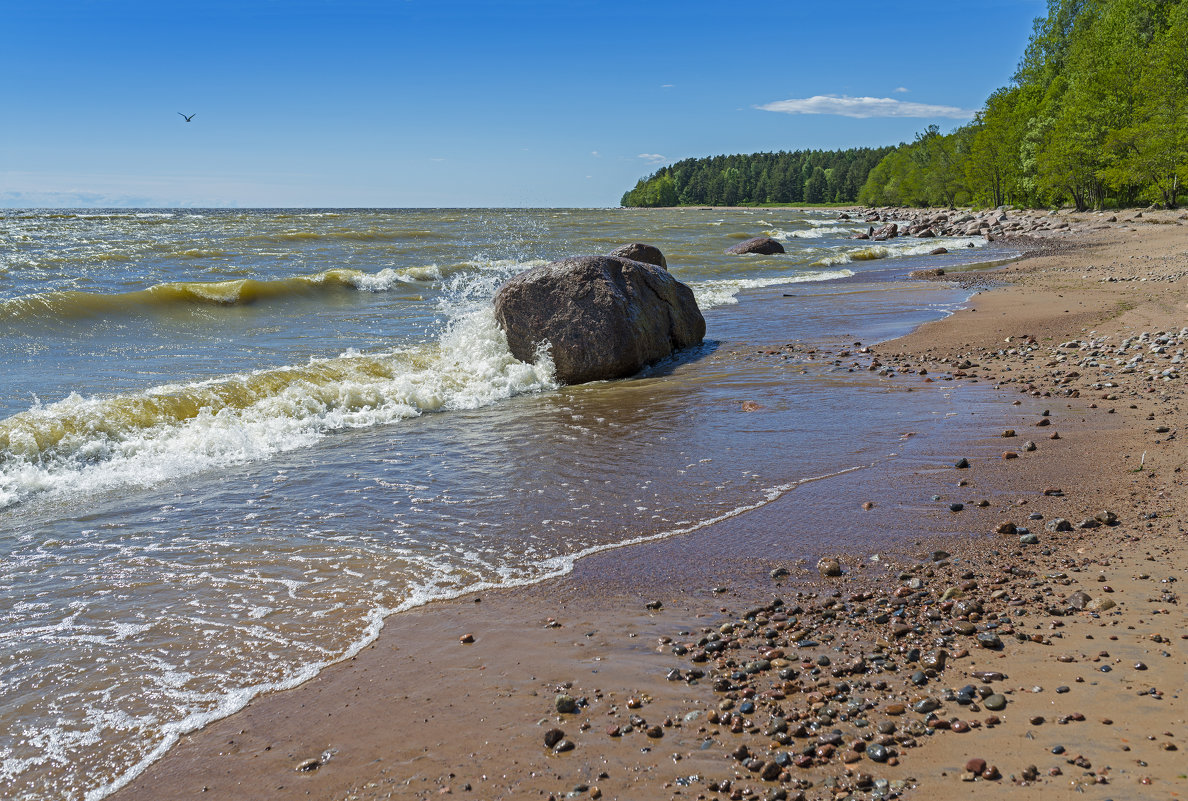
(187,119)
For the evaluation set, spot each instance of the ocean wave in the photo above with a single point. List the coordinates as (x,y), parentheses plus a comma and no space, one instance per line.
(93,444)
(895,249)
(814,233)
(724,292)
(73,304)
(345,235)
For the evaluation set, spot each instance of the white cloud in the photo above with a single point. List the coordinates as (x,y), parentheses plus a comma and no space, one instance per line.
(595,154)
(901,89)
(653,158)
(666,85)
(864,107)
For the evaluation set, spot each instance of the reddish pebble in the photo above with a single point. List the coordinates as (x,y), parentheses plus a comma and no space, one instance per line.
(466,638)
(975,765)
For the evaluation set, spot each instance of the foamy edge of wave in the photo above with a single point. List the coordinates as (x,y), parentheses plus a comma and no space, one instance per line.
(895,249)
(724,292)
(86,445)
(554,567)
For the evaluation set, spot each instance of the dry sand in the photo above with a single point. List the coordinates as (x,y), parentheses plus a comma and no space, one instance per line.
(1093,692)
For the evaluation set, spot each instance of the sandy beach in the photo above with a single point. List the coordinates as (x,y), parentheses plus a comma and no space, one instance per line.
(1026,636)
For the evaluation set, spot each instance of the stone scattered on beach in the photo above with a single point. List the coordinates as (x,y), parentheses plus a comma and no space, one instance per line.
(638,251)
(829,567)
(552,737)
(601,317)
(565,704)
(762,245)
(308,765)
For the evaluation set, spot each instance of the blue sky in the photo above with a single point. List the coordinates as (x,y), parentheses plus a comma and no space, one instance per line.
(451,103)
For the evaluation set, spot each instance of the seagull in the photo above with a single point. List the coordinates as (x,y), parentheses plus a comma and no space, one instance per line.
(187,119)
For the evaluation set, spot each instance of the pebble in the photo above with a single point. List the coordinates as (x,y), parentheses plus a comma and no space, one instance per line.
(565,704)
(552,737)
(829,567)
(995,702)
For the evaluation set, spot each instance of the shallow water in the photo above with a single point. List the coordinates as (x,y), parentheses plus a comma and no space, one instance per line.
(231,442)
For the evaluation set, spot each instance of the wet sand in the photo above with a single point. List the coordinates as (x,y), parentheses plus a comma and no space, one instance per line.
(838,688)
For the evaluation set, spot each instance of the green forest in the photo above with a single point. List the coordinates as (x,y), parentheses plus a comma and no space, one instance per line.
(806,176)
(1096,115)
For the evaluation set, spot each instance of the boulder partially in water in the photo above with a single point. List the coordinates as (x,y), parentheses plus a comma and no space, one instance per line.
(763,245)
(603,317)
(637,251)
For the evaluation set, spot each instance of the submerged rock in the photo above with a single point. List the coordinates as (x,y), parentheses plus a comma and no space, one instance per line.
(603,317)
(763,245)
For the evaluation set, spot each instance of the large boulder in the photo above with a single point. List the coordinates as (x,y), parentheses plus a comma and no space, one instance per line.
(604,317)
(637,251)
(763,245)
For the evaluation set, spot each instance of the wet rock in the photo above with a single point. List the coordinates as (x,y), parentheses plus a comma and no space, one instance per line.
(603,317)
(637,251)
(829,567)
(995,702)
(308,765)
(763,245)
(565,704)
(552,737)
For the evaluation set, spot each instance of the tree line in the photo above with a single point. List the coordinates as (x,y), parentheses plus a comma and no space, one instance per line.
(803,176)
(1096,115)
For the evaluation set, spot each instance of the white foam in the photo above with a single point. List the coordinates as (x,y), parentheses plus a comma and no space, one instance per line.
(101,449)
(896,248)
(724,292)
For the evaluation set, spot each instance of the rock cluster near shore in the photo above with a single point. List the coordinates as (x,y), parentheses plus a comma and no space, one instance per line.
(1003,222)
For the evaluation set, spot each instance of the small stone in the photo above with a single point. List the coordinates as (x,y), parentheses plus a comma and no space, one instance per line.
(1029,446)
(552,737)
(563,746)
(1029,539)
(962,463)
(1005,527)
(975,765)
(877,752)
(995,702)
(565,704)
(466,639)
(655,732)
(829,567)
(309,765)
(956,507)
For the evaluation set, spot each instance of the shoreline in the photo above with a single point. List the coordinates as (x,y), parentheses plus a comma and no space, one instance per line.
(482,711)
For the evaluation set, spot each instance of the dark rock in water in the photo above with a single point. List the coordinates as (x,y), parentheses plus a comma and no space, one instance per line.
(637,251)
(603,316)
(763,245)
(888,231)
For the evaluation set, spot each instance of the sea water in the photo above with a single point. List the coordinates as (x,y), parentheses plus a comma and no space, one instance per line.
(233,442)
